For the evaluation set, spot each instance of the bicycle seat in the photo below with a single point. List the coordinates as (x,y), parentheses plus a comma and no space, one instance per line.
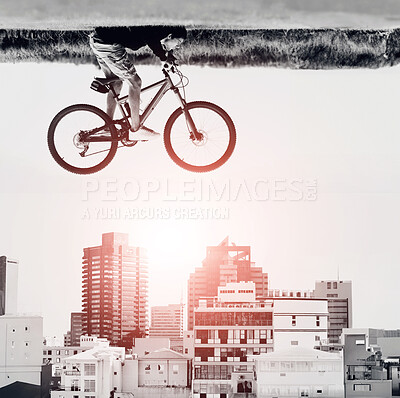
(107,80)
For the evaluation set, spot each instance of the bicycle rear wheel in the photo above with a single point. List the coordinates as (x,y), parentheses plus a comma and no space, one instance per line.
(218,137)
(66,139)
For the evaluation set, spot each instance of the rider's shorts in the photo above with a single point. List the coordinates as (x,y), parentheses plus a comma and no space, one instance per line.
(112,58)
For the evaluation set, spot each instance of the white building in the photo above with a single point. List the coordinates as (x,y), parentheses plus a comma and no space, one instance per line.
(299,372)
(96,372)
(54,354)
(299,322)
(164,367)
(21,342)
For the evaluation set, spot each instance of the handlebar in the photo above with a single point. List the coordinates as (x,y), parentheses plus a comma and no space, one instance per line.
(170,67)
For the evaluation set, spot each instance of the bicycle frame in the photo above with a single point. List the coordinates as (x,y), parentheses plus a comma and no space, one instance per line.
(165,85)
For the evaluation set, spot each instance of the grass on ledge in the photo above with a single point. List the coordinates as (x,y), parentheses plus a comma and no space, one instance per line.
(282,48)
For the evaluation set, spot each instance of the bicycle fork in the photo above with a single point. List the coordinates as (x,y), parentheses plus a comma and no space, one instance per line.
(194,133)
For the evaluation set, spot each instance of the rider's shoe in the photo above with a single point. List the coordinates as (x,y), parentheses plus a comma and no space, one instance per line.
(143,134)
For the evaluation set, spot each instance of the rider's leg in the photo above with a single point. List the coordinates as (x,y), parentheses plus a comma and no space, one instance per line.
(136,134)
(135,84)
(110,102)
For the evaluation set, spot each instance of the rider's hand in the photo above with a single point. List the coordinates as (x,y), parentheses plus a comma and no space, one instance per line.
(171,59)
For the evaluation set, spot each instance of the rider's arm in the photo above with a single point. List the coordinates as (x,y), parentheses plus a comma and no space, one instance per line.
(155,46)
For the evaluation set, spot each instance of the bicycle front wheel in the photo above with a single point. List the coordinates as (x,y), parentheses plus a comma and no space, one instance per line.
(215,145)
(67,144)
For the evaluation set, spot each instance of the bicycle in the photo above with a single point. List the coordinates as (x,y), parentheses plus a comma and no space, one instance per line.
(199,136)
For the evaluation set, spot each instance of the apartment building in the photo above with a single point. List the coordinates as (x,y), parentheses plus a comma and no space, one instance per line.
(226,331)
(339,295)
(115,283)
(234,327)
(225,263)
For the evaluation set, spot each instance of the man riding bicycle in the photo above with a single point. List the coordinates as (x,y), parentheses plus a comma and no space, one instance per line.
(109,45)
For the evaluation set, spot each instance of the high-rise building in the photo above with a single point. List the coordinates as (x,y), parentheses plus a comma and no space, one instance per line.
(76,327)
(8,285)
(114,293)
(223,264)
(167,321)
(339,295)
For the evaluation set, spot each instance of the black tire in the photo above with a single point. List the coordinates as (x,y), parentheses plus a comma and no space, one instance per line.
(202,113)
(66,125)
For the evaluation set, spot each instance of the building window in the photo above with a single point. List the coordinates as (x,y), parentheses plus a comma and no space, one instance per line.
(186,351)
(362,387)
(317,338)
(319,391)
(58,360)
(317,323)
(175,369)
(360,342)
(26,343)
(329,285)
(160,369)
(90,369)
(26,328)
(294,342)
(293,320)
(90,385)
(147,368)
(13,344)
(335,285)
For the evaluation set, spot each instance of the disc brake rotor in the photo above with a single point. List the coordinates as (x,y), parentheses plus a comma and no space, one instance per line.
(203,140)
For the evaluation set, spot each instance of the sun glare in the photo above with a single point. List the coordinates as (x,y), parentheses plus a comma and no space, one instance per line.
(173,243)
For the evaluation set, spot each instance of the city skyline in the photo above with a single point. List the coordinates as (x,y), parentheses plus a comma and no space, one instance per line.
(227,246)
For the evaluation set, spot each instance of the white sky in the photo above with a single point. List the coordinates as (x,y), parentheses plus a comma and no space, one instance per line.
(339,128)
